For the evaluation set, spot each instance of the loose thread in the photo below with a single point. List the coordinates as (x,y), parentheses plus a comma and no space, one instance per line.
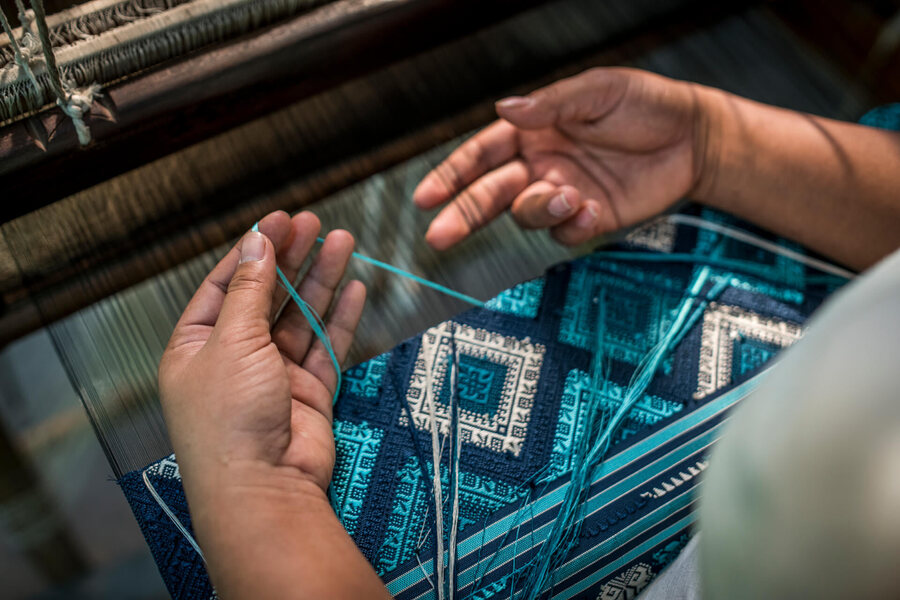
(172,517)
(454,463)
(315,322)
(737,265)
(420,280)
(566,527)
(754,240)
(318,325)
(436,476)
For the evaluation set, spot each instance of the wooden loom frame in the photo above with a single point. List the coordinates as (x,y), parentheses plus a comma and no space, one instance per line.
(178,104)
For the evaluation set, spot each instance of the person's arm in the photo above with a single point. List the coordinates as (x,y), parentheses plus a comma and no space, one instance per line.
(247,400)
(267,533)
(830,185)
(611,147)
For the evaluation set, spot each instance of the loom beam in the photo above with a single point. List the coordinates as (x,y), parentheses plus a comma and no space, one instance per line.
(179,104)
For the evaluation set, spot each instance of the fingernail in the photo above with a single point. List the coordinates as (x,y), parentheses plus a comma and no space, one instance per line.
(253,247)
(440,231)
(515,102)
(586,218)
(559,205)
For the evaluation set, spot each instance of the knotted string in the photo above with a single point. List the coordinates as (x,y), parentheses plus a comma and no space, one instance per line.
(74,102)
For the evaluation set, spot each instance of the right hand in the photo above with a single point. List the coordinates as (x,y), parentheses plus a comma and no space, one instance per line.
(587,155)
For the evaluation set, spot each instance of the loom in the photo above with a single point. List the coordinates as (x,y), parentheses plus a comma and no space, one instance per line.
(213,113)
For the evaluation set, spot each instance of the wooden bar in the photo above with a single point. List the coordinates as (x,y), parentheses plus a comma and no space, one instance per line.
(179,104)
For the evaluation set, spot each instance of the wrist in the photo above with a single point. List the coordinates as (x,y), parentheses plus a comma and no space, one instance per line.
(228,496)
(711,137)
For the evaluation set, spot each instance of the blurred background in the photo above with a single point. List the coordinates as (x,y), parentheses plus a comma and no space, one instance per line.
(339,106)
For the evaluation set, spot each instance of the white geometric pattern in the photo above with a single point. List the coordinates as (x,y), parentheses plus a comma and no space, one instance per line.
(658,235)
(664,487)
(504,427)
(627,585)
(722,325)
(167,468)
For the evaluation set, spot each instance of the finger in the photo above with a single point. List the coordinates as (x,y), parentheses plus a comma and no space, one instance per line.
(341,329)
(584,97)
(292,333)
(544,204)
(478,204)
(248,300)
(304,228)
(590,221)
(484,151)
(204,307)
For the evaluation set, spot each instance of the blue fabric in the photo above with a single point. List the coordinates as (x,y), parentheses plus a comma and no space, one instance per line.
(883,117)
(524,369)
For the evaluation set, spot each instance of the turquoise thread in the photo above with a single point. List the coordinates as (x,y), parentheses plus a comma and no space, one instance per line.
(416,278)
(592,448)
(318,325)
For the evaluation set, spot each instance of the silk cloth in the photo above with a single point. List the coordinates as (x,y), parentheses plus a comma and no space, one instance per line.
(524,372)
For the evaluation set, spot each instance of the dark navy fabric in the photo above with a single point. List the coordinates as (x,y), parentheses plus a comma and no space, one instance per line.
(524,370)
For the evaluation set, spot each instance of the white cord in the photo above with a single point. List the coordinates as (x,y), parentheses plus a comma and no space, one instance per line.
(755,240)
(171,515)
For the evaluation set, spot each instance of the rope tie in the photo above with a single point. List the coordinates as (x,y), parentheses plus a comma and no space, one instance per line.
(74,102)
(76,105)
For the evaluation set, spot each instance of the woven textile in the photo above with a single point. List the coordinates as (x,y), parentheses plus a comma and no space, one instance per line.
(524,371)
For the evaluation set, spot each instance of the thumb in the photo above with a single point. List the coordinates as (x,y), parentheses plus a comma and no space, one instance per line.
(532,112)
(584,97)
(248,301)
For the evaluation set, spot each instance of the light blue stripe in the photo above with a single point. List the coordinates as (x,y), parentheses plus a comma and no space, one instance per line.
(584,559)
(612,464)
(622,537)
(612,567)
(599,501)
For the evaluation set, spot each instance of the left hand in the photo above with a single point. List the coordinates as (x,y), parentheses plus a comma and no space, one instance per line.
(238,387)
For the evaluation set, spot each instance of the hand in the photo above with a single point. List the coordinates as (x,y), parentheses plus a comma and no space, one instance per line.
(239,388)
(588,155)
(248,403)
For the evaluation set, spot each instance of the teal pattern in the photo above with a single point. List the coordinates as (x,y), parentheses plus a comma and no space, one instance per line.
(522,300)
(365,379)
(479,385)
(479,497)
(357,449)
(648,411)
(750,354)
(637,313)
(788,275)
